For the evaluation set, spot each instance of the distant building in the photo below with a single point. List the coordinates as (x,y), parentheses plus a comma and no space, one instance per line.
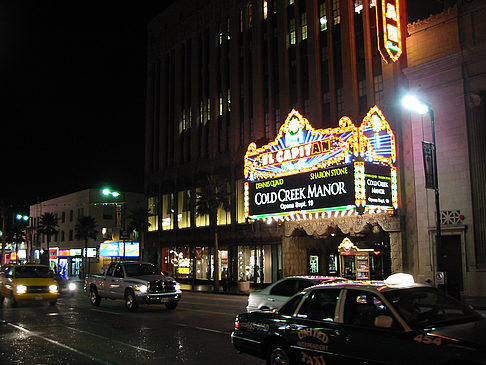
(66,251)
(223,74)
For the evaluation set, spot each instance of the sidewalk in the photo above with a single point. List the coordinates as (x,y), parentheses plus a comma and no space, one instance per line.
(478,303)
(208,288)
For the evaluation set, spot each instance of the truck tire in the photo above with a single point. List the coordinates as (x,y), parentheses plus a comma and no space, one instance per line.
(13,302)
(171,305)
(94,297)
(130,301)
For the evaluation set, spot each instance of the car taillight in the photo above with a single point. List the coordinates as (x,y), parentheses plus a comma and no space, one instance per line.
(237,324)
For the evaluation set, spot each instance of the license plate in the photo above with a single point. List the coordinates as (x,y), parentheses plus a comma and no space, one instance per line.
(38,297)
(164,300)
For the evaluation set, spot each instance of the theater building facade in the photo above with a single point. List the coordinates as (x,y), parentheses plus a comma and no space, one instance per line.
(295,105)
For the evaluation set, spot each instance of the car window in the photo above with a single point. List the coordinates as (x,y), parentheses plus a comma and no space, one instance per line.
(362,308)
(9,272)
(137,269)
(119,271)
(288,309)
(320,305)
(111,269)
(285,288)
(303,283)
(423,307)
(33,272)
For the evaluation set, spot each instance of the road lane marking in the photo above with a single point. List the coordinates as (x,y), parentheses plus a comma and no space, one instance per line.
(110,339)
(205,311)
(204,329)
(103,311)
(209,305)
(31,333)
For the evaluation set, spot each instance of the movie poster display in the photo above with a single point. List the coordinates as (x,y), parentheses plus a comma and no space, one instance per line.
(310,171)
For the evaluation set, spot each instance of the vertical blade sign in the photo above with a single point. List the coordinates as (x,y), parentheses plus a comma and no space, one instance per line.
(388,29)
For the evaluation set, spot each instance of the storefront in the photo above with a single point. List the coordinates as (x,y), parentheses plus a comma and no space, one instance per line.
(326,187)
(256,263)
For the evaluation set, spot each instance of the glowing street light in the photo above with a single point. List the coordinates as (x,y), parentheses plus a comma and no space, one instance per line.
(21,217)
(412,103)
(107,192)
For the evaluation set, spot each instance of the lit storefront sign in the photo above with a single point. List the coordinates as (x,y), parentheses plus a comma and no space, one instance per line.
(305,172)
(63,253)
(389,32)
(115,249)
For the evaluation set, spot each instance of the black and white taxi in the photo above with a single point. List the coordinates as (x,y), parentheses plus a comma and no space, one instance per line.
(394,321)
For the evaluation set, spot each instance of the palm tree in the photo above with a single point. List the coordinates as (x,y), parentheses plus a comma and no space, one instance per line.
(212,197)
(3,212)
(48,225)
(85,229)
(139,222)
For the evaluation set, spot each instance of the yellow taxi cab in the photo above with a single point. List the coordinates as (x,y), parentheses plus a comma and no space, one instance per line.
(28,282)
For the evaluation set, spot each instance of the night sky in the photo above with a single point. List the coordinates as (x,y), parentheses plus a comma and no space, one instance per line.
(72,87)
(72,84)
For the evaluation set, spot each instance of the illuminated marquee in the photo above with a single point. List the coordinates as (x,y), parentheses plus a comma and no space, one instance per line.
(389,32)
(306,172)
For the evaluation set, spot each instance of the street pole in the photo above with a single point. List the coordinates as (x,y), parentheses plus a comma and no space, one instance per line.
(438,236)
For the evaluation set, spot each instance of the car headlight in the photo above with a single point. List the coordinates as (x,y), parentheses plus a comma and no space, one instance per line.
(141,288)
(72,286)
(21,289)
(177,286)
(52,289)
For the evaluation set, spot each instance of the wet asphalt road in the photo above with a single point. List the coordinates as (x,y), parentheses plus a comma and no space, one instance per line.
(74,332)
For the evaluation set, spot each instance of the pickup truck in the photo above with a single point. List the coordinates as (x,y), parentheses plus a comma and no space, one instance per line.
(136,283)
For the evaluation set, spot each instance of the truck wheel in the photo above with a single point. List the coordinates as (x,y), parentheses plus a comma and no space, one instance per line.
(13,302)
(171,305)
(130,301)
(94,297)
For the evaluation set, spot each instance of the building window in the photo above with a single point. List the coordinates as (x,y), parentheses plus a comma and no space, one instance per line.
(336,12)
(224,216)
(153,219)
(184,208)
(323,16)
(228,95)
(292,31)
(362,88)
(220,104)
(63,217)
(203,219)
(265,9)
(220,34)
(303,25)
(358,6)
(291,2)
(240,201)
(71,215)
(80,212)
(167,212)
(70,235)
(242,21)
(378,85)
(250,15)
(228,29)
(340,101)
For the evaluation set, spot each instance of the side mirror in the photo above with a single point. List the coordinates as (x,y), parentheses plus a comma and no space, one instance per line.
(383,321)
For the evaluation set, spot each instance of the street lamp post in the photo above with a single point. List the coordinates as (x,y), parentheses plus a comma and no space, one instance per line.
(412,103)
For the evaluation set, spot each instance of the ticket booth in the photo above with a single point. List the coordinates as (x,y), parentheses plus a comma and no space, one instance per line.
(354,263)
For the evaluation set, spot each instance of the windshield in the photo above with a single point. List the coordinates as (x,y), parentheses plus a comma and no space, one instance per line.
(428,307)
(33,272)
(141,269)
